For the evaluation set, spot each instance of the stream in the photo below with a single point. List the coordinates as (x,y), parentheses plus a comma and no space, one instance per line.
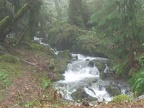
(83,81)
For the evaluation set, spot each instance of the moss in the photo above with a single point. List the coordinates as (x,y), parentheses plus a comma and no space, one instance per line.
(9,59)
(65,54)
(121,98)
(3,21)
(21,12)
(36,47)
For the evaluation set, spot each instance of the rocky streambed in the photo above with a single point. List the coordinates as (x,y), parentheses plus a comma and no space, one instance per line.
(90,78)
(86,77)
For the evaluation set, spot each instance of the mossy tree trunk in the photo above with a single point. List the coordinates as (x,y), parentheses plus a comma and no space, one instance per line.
(5,28)
(9,21)
(33,22)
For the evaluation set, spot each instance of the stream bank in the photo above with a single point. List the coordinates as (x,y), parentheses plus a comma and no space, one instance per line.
(32,88)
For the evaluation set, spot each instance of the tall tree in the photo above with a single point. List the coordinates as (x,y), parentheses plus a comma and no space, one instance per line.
(33,21)
(75,12)
(8,21)
(117,25)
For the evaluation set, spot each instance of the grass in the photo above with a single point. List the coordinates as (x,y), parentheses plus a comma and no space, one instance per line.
(9,72)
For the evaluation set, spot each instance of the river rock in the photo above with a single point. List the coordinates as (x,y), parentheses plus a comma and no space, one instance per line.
(65,55)
(113,89)
(80,94)
(91,64)
(55,77)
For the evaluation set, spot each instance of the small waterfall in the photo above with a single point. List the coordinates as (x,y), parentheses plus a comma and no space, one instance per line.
(80,75)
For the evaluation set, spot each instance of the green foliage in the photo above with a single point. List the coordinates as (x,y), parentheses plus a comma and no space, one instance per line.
(4,80)
(121,67)
(137,82)
(120,32)
(121,98)
(45,83)
(75,13)
(9,59)
(63,37)
(117,25)
(86,43)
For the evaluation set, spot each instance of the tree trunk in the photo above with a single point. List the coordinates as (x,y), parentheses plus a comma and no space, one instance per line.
(7,23)
(75,13)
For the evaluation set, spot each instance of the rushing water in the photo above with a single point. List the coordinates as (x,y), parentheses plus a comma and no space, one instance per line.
(80,75)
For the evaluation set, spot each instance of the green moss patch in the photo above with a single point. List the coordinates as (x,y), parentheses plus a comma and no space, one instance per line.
(121,98)
(9,59)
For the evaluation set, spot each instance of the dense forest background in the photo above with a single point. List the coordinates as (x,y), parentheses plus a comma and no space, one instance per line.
(105,28)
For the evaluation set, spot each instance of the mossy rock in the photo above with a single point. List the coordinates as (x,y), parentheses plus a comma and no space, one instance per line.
(80,94)
(62,65)
(121,98)
(63,37)
(36,47)
(113,90)
(57,77)
(101,66)
(9,59)
(65,55)
(40,48)
(52,64)
(58,66)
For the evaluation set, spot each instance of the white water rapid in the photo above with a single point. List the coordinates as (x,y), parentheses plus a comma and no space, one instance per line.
(85,79)
(80,75)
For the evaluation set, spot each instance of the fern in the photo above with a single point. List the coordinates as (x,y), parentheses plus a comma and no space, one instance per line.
(137,82)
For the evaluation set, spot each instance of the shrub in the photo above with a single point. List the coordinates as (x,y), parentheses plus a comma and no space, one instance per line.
(121,98)
(137,82)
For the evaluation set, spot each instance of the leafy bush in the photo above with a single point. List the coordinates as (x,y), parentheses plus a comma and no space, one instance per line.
(121,98)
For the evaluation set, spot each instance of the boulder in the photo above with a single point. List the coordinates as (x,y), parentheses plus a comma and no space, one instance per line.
(80,94)
(113,89)
(65,55)
(91,64)
(62,65)
(55,77)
